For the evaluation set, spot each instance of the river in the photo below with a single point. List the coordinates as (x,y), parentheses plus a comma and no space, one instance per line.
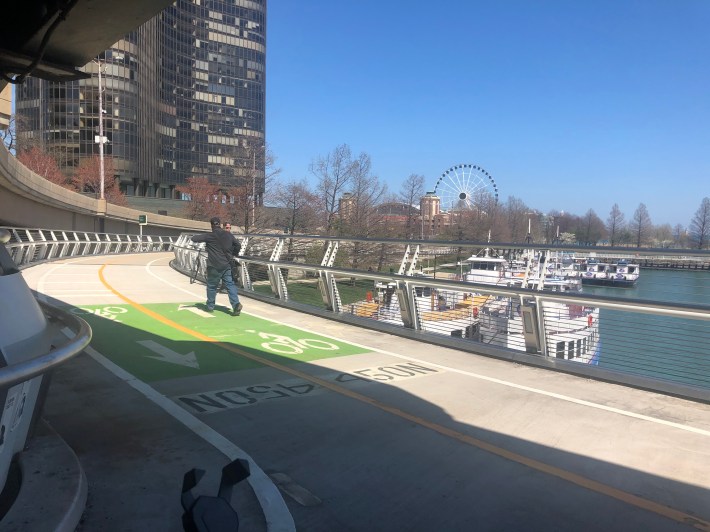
(676,349)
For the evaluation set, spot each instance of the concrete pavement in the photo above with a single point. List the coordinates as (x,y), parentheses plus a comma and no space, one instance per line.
(401,436)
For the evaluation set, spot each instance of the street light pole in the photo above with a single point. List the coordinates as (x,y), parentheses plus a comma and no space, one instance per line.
(253,187)
(101,134)
(253,182)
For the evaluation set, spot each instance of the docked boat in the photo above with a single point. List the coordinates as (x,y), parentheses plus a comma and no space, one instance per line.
(548,275)
(571,331)
(620,274)
(564,267)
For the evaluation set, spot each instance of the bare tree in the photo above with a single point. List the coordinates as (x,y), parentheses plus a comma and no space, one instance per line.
(679,236)
(244,195)
(567,223)
(87,178)
(663,235)
(43,164)
(367,194)
(641,226)
(362,218)
(334,173)
(410,194)
(9,135)
(203,198)
(238,208)
(700,225)
(614,224)
(298,205)
(494,223)
(517,217)
(593,227)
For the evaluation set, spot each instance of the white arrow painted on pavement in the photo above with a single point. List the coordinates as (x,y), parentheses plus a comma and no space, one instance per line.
(196,310)
(168,355)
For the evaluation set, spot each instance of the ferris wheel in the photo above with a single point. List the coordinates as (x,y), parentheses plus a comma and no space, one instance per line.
(465,187)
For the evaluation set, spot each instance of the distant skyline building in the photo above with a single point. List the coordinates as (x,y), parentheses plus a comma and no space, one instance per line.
(184,96)
(430,209)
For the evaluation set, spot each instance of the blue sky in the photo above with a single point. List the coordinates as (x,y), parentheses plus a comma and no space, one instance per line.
(569,105)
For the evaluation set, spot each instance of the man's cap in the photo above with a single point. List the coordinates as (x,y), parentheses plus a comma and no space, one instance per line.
(215,221)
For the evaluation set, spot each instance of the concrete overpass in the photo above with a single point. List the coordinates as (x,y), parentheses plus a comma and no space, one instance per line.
(49,39)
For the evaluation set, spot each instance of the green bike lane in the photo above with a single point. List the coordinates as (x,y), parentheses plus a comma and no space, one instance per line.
(178,340)
(214,362)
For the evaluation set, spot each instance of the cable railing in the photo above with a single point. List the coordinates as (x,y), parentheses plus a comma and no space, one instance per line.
(654,334)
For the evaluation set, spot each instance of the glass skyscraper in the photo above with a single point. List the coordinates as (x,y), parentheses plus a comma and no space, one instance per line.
(184,96)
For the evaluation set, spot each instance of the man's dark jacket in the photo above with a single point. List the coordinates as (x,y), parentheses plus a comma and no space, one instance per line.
(221,246)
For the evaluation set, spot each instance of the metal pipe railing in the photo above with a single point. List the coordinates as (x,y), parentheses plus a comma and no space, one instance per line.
(663,345)
(29,246)
(28,369)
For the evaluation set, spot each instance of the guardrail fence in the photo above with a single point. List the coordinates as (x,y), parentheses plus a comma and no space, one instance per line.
(654,333)
(28,246)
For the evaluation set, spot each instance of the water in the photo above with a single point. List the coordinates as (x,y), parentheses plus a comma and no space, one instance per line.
(680,286)
(674,349)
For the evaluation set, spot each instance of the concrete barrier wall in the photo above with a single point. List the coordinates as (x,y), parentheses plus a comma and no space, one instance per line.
(29,200)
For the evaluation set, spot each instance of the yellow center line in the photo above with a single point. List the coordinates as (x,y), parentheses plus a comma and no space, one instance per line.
(537,465)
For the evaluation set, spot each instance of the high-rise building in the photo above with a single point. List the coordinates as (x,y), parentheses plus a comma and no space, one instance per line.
(183,96)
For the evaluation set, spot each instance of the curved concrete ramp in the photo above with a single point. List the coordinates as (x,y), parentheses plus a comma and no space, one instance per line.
(358,430)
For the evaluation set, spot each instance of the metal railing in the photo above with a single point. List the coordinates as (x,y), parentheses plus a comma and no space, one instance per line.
(23,371)
(28,246)
(649,340)
(42,346)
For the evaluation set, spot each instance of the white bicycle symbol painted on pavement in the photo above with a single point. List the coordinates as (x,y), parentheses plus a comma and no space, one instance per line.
(107,312)
(285,345)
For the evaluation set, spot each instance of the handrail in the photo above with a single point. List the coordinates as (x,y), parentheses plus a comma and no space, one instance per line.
(28,369)
(655,344)
(581,250)
(29,246)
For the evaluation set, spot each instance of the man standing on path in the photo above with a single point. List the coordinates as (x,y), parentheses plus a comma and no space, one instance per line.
(221,246)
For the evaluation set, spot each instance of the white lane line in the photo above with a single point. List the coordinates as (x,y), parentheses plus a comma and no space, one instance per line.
(43,281)
(509,384)
(278,518)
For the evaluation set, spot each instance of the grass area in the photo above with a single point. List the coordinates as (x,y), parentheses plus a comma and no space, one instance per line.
(264,289)
(306,291)
(352,292)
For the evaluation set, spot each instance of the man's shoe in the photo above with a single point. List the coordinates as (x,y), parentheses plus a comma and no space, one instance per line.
(236,311)
(209,309)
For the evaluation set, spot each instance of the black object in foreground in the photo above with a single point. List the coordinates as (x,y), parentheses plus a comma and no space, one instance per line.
(212,514)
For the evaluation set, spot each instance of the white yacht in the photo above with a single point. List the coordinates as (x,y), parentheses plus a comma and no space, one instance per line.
(619,274)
